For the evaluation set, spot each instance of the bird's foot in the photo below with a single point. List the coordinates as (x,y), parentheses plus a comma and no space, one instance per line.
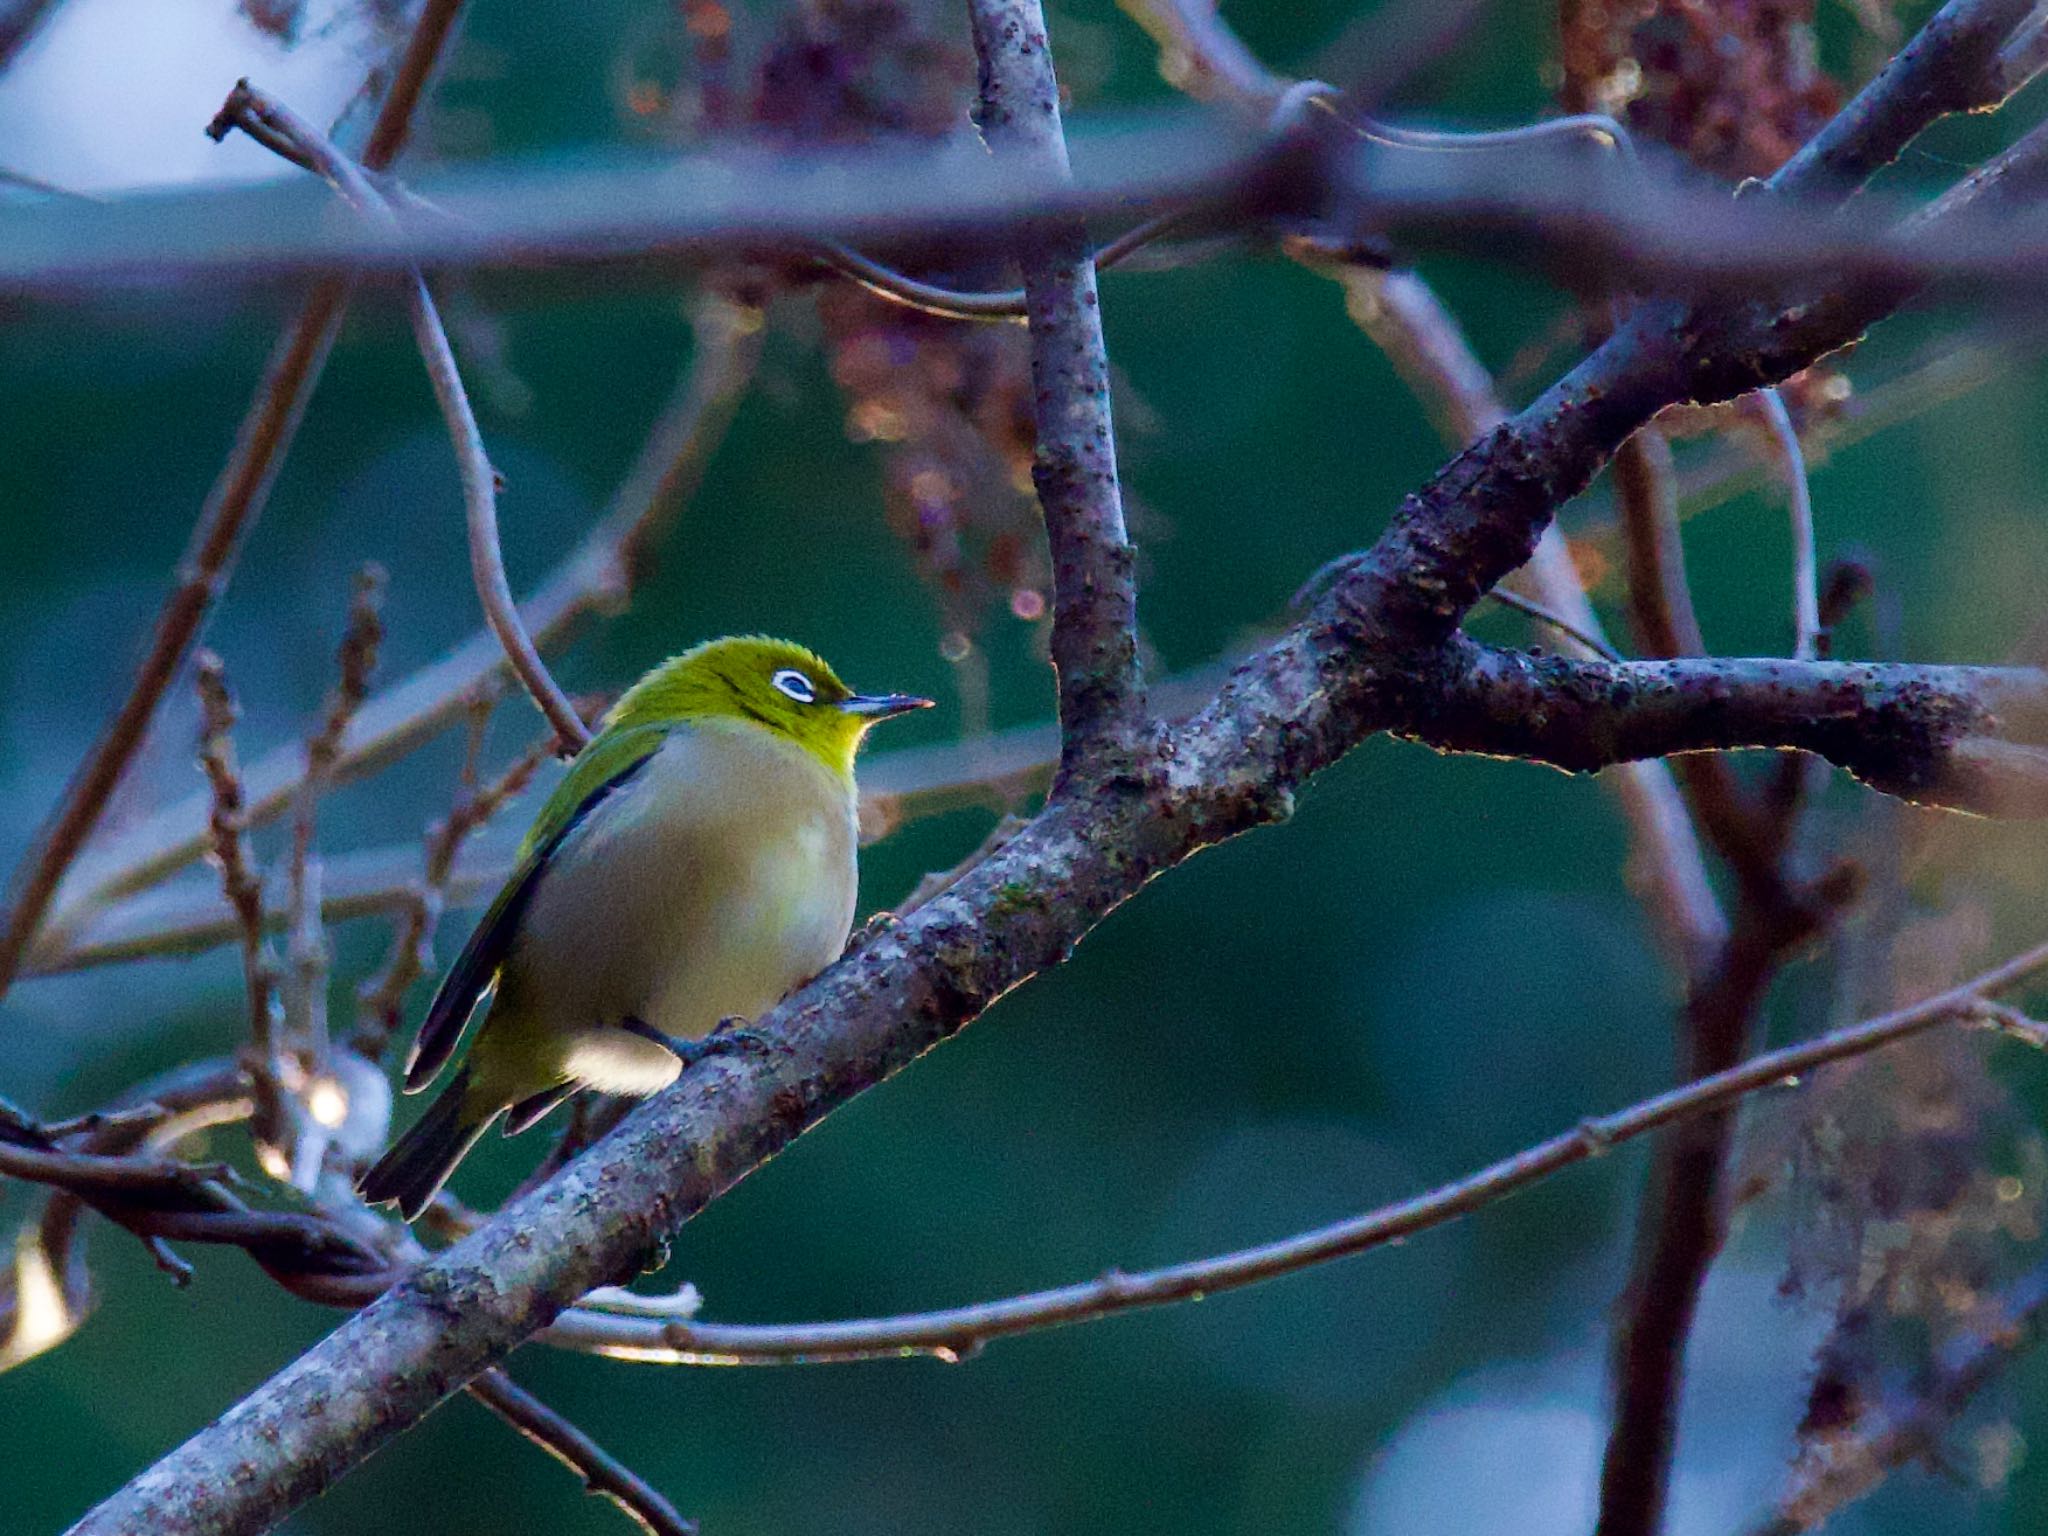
(734,1036)
(730,1038)
(883,921)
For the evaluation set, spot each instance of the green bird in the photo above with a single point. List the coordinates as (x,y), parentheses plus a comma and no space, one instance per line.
(696,864)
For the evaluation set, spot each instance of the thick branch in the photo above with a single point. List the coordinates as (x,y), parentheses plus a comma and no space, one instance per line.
(1095,595)
(1622,228)
(1921,733)
(1404,316)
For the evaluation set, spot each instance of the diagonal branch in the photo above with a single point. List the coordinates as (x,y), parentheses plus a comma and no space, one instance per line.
(1095,595)
(1422,339)
(1951,65)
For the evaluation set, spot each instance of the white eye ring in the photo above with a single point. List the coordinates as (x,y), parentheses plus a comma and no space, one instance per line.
(796,685)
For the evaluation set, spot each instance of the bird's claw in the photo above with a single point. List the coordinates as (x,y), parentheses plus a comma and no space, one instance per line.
(731,1038)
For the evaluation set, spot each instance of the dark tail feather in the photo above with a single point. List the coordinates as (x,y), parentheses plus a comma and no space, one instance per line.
(528,1111)
(418,1164)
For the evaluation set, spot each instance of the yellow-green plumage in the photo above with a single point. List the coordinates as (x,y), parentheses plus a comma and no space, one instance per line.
(696,863)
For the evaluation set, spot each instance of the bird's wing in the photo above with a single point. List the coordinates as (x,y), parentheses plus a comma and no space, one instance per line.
(601,768)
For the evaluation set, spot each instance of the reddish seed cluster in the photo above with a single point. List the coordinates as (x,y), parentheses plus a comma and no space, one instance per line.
(852,70)
(950,402)
(1733,85)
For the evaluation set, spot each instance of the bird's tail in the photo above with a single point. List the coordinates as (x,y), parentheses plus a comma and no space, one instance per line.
(412,1172)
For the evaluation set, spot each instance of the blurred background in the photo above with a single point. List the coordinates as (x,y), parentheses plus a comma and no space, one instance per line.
(1436,961)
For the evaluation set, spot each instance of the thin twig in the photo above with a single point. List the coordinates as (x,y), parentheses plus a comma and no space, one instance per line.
(960,1332)
(1585,640)
(603,1474)
(242,888)
(1806,627)
(1003,304)
(480,500)
(276,125)
(306,1001)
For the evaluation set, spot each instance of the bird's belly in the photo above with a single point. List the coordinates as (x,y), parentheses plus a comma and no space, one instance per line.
(784,919)
(683,929)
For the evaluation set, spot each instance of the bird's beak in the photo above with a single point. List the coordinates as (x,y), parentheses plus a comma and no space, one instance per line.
(881,706)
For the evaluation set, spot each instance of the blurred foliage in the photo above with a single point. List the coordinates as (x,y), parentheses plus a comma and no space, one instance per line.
(1435,961)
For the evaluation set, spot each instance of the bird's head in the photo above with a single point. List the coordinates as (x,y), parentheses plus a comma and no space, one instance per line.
(776,684)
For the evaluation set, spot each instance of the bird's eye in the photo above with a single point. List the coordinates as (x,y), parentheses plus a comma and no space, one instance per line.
(796,685)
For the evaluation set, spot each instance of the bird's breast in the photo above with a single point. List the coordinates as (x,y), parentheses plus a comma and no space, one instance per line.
(723,878)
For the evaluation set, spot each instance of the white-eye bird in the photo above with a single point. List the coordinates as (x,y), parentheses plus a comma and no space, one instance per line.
(696,864)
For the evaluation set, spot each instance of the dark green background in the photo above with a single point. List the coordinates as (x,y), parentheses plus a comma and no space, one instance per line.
(1434,962)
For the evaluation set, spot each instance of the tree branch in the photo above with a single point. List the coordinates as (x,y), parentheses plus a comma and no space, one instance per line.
(1683,1216)
(1734,698)
(161,1200)
(1095,598)
(1951,66)
(1627,228)
(1919,733)
(1401,313)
